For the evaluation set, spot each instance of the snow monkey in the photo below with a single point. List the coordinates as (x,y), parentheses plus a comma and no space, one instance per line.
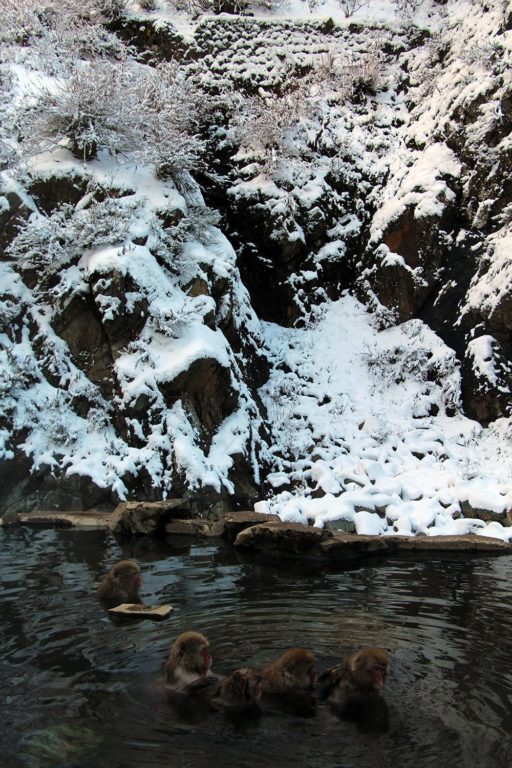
(121,584)
(362,673)
(188,667)
(293,671)
(239,693)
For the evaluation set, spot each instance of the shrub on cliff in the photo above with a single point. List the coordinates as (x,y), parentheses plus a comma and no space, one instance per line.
(149,112)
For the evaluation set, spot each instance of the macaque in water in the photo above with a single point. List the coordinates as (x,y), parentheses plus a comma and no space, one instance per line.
(121,584)
(358,677)
(293,671)
(240,692)
(188,668)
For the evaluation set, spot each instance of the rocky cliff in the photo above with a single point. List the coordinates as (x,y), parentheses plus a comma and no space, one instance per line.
(168,197)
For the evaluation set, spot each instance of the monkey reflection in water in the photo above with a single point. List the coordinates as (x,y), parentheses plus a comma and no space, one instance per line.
(353,689)
(194,690)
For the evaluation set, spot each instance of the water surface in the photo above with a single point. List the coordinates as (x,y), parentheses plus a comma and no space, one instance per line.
(79,689)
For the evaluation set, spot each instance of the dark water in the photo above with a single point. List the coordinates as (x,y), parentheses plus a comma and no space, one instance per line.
(80,690)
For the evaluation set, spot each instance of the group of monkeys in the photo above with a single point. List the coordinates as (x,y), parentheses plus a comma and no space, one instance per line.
(352,686)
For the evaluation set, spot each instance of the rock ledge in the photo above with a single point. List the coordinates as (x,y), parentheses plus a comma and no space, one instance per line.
(265,534)
(289,540)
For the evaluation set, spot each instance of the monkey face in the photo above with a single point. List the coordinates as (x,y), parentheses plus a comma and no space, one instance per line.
(370,668)
(378,673)
(206,657)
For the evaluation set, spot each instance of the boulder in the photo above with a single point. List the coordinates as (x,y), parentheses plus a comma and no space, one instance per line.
(487,380)
(283,539)
(235,522)
(207,392)
(488,515)
(411,256)
(144,518)
(343,525)
(197,527)
(27,492)
(125,324)
(13,211)
(79,325)
(52,191)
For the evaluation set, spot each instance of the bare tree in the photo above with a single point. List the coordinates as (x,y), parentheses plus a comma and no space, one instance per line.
(263,125)
(93,109)
(170,107)
(408,6)
(350,7)
(151,112)
(112,9)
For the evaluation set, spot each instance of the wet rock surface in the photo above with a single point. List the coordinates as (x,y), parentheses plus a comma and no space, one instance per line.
(146,518)
(236,522)
(264,534)
(288,540)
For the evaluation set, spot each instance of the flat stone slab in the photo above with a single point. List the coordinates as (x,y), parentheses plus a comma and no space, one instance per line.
(466,543)
(140,611)
(90,521)
(292,540)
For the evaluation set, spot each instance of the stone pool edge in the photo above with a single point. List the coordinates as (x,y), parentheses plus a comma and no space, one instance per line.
(265,534)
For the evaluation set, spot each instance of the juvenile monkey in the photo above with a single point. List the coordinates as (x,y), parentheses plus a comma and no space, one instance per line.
(293,671)
(121,584)
(239,693)
(188,668)
(360,674)
(288,683)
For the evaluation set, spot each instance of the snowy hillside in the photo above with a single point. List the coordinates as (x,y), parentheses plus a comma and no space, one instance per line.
(263,259)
